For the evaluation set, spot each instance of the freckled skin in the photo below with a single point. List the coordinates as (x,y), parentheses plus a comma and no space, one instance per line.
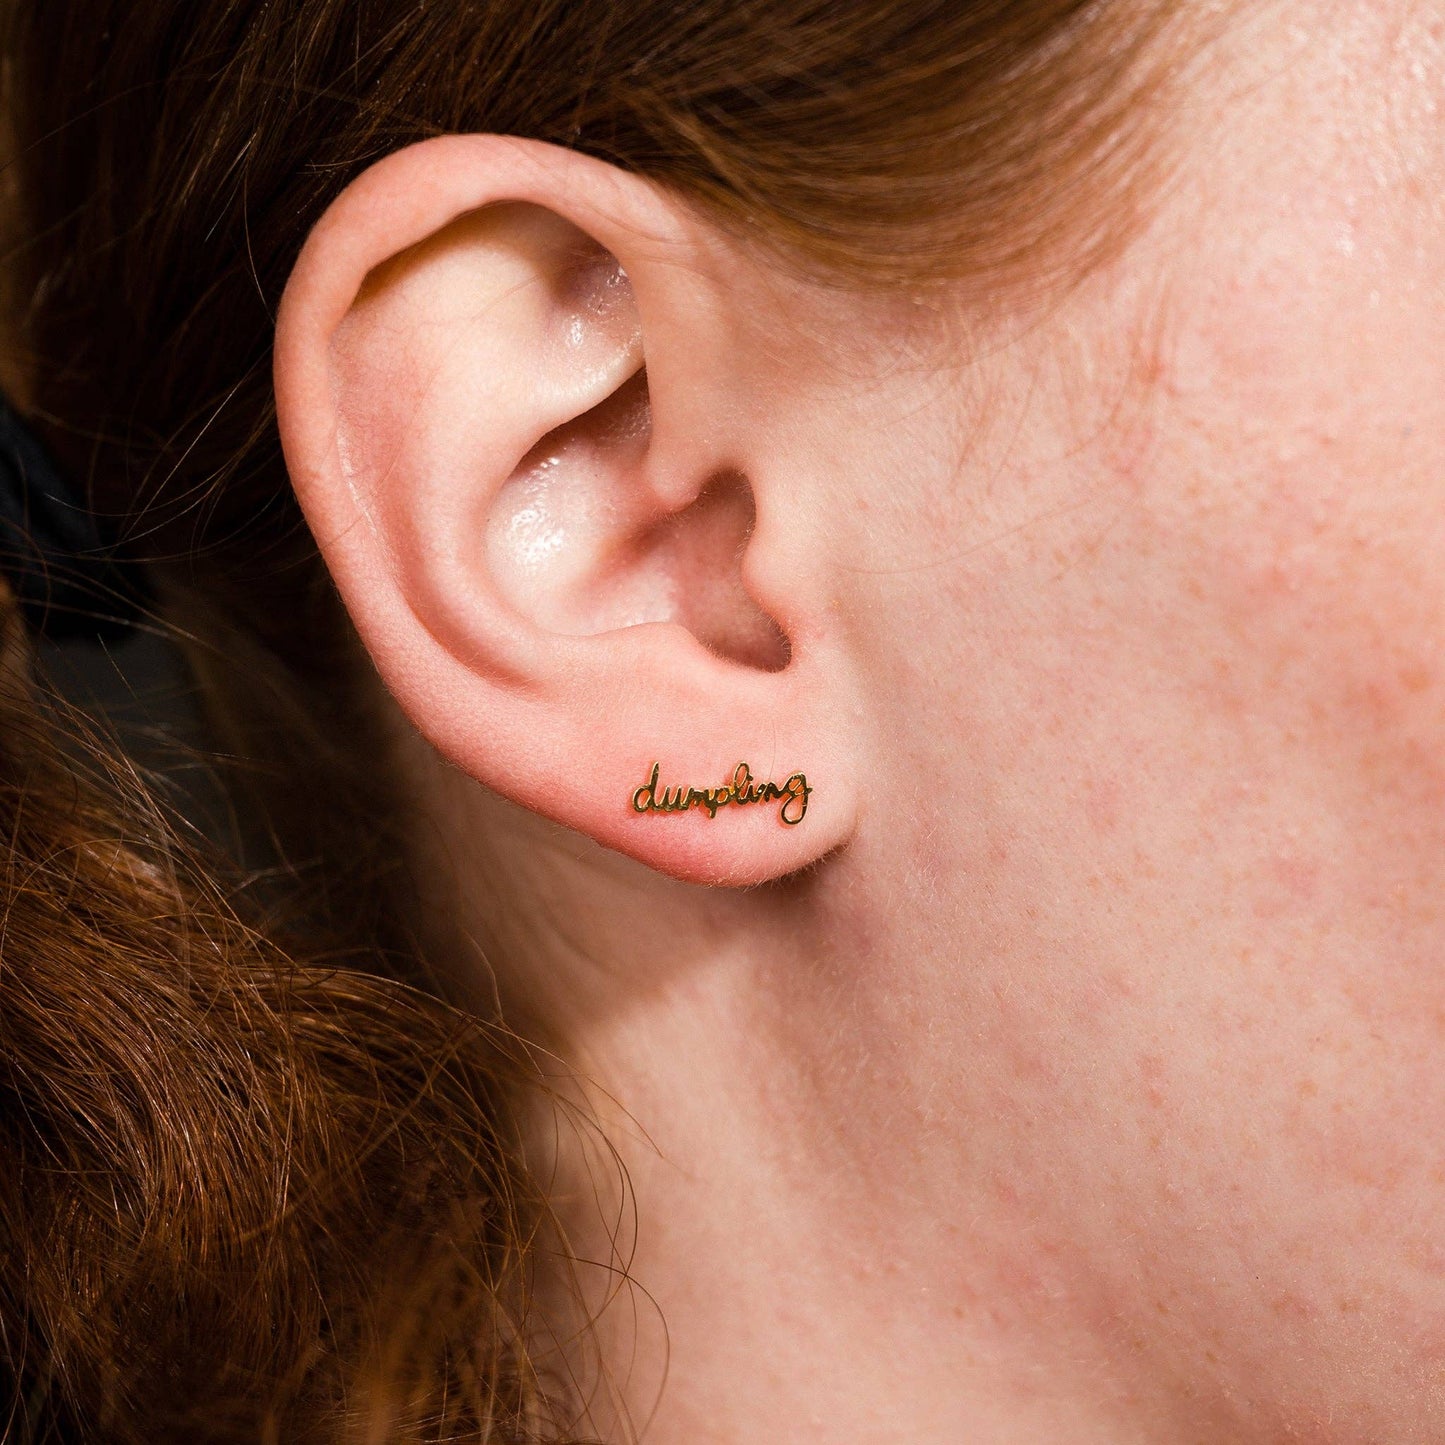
(1199,689)
(1094,1092)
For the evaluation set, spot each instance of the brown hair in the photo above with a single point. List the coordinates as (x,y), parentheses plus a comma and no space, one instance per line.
(241,1139)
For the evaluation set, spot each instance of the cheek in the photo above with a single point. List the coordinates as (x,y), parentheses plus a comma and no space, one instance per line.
(1283,689)
(1330,594)
(1300,482)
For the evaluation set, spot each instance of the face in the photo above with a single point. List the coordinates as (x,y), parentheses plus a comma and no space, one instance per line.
(1149,593)
(1118,663)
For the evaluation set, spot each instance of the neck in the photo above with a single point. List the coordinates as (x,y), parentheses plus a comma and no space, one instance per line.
(853,1221)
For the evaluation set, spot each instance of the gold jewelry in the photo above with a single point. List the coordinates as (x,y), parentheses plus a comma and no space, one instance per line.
(738,791)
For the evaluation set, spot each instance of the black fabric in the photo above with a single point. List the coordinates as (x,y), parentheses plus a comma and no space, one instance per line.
(66,573)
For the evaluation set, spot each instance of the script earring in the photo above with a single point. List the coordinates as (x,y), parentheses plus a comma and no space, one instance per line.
(740,790)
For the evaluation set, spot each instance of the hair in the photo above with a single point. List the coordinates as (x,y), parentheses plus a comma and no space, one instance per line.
(258,1180)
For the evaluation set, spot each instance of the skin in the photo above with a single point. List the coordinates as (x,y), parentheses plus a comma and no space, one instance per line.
(1090,1091)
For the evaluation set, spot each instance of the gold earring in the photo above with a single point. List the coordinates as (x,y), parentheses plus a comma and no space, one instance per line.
(740,790)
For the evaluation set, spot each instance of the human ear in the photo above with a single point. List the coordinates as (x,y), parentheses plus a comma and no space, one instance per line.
(511,390)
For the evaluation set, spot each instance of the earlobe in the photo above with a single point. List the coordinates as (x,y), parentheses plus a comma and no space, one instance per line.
(506,385)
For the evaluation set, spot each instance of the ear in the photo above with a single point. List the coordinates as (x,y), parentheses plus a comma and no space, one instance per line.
(512,391)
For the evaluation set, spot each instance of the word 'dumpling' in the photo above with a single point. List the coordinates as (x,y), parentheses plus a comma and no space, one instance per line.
(740,790)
